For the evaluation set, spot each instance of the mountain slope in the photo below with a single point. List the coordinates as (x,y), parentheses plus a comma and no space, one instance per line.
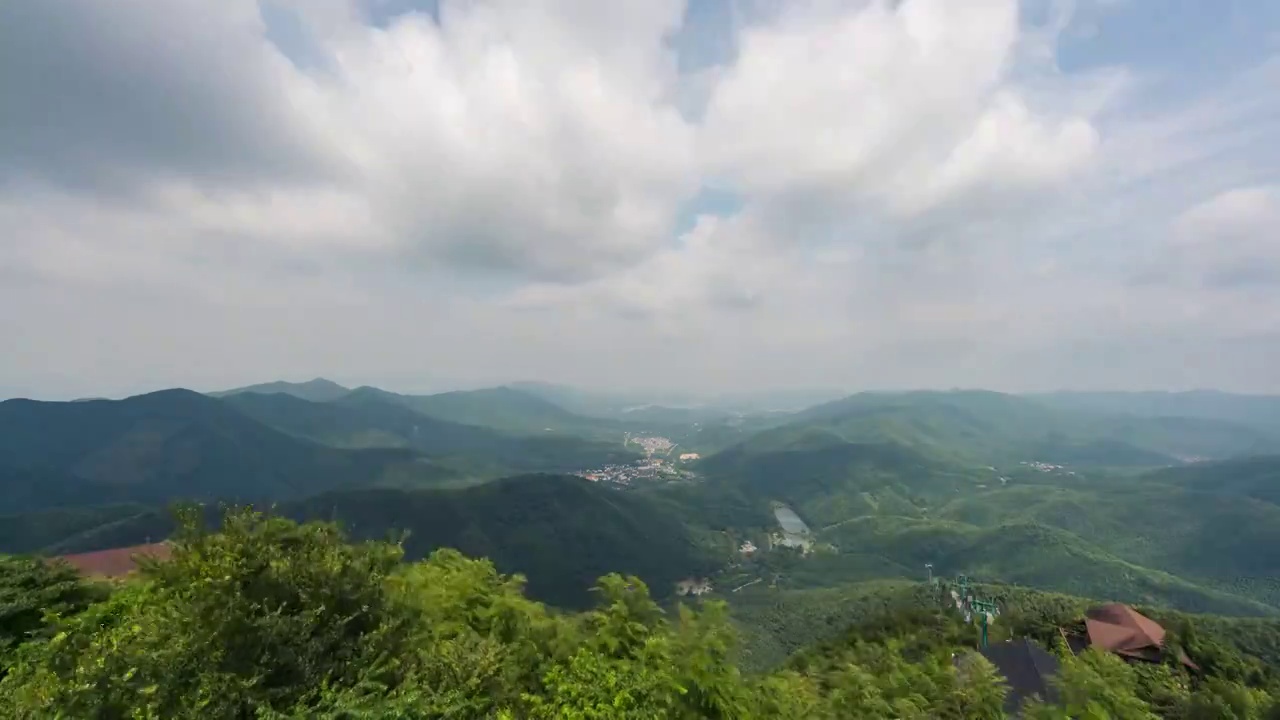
(500,408)
(1261,412)
(1254,477)
(1030,554)
(562,532)
(1221,541)
(367,419)
(981,428)
(317,390)
(827,480)
(173,444)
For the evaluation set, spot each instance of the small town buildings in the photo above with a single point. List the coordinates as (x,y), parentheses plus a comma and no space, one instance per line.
(691,586)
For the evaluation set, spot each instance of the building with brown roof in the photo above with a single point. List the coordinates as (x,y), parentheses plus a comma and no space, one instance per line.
(116,562)
(1118,628)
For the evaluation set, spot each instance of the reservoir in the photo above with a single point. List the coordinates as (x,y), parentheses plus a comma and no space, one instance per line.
(794,532)
(790,521)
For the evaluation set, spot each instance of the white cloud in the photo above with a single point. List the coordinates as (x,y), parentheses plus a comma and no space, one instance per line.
(897,106)
(1231,241)
(925,197)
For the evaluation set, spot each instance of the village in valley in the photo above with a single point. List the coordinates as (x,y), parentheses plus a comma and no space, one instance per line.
(661,463)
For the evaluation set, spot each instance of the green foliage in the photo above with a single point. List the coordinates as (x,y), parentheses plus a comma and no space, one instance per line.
(269,619)
(174,445)
(316,390)
(34,596)
(500,408)
(562,533)
(980,428)
(372,419)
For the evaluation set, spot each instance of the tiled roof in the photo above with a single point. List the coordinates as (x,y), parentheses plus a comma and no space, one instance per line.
(1120,629)
(1027,668)
(116,561)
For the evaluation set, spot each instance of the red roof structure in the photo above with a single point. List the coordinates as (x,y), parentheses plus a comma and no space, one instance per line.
(1120,629)
(116,562)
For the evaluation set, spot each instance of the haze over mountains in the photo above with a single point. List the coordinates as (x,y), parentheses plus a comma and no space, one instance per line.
(649,287)
(1078,493)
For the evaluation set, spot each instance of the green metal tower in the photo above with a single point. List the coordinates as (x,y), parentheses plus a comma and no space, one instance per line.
(986,609)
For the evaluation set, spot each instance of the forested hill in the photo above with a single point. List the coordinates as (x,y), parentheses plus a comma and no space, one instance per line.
(178,444)
(560,532)
(174,444)
(980,428)
(317,390)
(271,619)
(373,419)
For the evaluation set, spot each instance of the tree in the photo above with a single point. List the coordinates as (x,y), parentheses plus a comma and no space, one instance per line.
(1094,685)
(34,595)
(263,615)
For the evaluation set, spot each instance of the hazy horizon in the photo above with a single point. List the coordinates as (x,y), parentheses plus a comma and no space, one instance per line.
(705,197)
(793,396)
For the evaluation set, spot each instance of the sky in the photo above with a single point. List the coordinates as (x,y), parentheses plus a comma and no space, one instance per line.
(706,196)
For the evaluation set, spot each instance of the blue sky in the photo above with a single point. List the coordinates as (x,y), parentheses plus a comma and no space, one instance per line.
(706,196)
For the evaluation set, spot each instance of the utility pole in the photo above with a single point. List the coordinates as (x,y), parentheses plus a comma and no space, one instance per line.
(986,608)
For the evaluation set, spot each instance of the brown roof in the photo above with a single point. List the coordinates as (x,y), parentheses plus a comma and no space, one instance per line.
(1122,630)
(1120,627)
(117,561)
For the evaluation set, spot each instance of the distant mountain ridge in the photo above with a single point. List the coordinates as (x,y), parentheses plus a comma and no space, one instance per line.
(561,532)
(174,444)
(1257,411)
(983,427)
(317,390)
(499,408)
(370,418)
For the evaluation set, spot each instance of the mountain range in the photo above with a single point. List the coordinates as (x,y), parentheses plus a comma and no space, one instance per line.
(1075,493)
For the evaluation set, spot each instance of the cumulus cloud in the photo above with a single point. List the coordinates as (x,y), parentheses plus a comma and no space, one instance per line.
(488,189)
(1231,240)
(900,106)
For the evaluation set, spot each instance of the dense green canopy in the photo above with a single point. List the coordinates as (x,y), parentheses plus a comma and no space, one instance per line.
(270,619)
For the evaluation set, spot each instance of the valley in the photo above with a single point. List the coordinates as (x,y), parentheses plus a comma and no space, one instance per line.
(802,527)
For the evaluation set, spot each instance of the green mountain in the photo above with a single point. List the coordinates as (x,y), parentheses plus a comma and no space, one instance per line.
(1201,536)
(781,624)
(174,444)
(1218,541)
(562,532)
(828,480)
(317,390)
(366,419)
(1031,554)
(1253,477)
(62,530)
(986,428)
(500,408)
(1260,412)
(267,618)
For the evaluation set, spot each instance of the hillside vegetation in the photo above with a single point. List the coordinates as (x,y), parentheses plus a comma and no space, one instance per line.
(175,444)
(272,619)
(375,420)
(1261,412)
(561,532)
(1001,488)
(317,390)
(982,428)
